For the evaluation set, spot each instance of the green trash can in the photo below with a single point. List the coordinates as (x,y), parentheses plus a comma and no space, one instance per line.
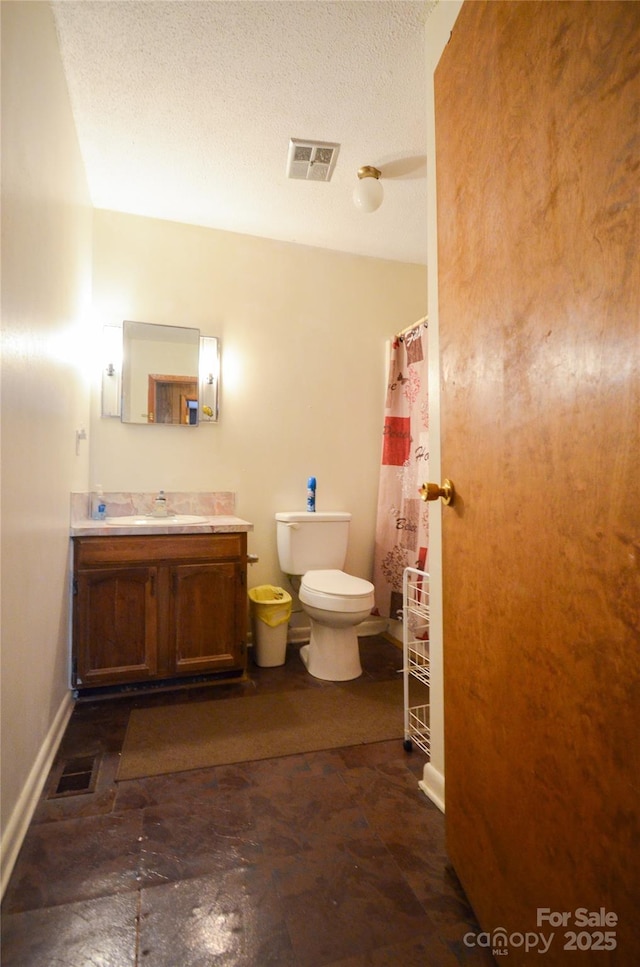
(270,612)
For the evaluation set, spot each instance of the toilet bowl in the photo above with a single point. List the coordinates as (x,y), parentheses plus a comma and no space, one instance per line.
(336,604)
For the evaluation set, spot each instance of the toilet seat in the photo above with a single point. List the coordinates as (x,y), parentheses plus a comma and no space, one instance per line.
(333,590)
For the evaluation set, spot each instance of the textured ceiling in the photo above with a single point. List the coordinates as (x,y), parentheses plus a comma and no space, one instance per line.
(184,111)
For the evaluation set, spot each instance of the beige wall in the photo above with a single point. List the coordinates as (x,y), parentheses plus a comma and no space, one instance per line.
(303,347)
(46,237)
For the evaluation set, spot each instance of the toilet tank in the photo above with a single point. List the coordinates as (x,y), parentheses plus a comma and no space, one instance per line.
(312,541)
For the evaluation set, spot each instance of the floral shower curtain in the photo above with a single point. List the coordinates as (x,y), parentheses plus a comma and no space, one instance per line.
(402,530)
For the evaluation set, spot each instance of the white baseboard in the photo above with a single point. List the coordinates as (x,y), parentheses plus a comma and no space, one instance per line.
(16,829)
(299,634)
(372,626)
(432,785)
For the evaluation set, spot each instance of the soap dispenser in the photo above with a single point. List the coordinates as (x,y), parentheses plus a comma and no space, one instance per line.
(98,506)
(160,505)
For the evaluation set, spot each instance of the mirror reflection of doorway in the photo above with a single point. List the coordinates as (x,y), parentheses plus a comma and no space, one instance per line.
(173,399)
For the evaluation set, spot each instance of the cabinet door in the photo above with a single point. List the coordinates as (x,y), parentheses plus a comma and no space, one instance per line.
(115,627)
(208,617)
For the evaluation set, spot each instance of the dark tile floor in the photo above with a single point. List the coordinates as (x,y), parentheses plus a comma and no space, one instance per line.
(329,858)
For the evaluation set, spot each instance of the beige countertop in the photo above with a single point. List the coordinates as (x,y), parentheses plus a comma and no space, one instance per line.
(214,524)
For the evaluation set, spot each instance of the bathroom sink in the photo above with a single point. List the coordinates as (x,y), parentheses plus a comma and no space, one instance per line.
(142,520)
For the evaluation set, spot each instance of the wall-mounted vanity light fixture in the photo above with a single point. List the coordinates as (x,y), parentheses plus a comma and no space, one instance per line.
(111,370)
(209,394)
(368,193)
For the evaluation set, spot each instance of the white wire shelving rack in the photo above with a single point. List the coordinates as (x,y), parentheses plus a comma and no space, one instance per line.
(415,665)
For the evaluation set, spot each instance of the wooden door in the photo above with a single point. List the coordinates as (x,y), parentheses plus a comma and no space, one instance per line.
(537,141)
(168,398)
(115,626)
(206,623)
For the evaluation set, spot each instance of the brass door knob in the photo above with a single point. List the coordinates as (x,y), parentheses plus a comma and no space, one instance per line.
(432,491)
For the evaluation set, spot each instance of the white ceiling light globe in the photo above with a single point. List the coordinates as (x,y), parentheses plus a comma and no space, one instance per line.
(368,193)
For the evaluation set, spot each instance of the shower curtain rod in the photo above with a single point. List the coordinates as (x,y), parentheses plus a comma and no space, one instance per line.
(420,322)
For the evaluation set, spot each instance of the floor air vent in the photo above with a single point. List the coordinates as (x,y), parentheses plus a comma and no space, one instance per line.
(74,777)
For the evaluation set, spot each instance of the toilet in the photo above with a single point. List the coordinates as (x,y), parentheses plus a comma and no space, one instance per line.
(312,548)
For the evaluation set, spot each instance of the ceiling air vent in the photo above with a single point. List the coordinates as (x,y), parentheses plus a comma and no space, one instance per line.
(311,160)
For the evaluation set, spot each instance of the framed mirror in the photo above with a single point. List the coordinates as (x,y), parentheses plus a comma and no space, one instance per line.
(160,366)
(164,375)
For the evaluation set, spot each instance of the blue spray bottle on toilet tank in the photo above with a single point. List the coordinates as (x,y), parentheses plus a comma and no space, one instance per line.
(311,495)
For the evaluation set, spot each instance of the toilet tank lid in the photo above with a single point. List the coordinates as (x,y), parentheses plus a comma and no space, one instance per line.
(295,516)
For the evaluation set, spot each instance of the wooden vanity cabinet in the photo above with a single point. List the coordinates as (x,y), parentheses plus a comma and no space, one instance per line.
(115,625)
(148,608)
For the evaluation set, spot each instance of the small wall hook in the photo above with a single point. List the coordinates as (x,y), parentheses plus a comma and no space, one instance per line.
(81,434)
